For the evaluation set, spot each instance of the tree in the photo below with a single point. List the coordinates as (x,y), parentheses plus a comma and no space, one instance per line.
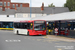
(70,4)
(51,5)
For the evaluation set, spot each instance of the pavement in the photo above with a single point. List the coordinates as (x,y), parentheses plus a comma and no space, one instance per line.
(61,38)
(11,41)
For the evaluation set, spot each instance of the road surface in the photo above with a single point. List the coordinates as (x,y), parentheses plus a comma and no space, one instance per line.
(10,41)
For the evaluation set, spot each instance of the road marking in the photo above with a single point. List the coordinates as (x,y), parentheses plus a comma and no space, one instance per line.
(59,49)
(6,40)
(45,37)
(50,40)
(46,40)
(67,40)
(19,40)
(12,40)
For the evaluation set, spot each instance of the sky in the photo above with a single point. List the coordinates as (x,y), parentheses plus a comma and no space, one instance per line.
(38,3)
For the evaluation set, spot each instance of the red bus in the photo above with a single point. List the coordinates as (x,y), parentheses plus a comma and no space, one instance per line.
(61,28)
(31,27)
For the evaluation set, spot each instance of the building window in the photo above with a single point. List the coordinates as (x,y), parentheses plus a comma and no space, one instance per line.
(7,15)
(20,5)
(13,5)
(4,3)
(19,15)
(1,4)
(16,5)
(8,3)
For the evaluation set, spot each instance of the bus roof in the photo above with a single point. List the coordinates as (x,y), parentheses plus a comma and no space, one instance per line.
(28,20)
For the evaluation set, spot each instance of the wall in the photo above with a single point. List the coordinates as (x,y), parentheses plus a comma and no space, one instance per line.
(23,15)
(11,4)
(5,16)
(23,5)
(6,3)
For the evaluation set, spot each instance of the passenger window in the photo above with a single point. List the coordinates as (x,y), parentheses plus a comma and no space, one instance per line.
(25,25)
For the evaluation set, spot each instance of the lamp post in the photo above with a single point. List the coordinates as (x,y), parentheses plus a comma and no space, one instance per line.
(30,8)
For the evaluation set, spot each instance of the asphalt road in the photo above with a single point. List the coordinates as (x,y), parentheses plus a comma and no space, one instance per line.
(10,41)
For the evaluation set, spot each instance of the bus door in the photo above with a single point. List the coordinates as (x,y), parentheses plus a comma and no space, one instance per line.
(30,28)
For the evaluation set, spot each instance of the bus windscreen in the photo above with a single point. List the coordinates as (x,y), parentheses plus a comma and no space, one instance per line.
(39,25)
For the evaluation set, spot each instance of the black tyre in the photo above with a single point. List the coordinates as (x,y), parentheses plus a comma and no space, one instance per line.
(27,33)
(17,33)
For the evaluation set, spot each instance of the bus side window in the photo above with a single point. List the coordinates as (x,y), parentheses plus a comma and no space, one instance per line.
(14,25)
(25,25)
(18,25)
(28,26)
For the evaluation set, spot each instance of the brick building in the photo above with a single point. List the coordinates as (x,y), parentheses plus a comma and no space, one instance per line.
(10,5)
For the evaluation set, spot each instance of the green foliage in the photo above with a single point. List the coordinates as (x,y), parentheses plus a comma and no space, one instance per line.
(70,4)
(51,5)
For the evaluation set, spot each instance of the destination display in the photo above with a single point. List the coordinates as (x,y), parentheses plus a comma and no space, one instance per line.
(39,21)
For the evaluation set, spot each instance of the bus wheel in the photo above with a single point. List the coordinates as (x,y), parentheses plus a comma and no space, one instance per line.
(27,33)
(17,33)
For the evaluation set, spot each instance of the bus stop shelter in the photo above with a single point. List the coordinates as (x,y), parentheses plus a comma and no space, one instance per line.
(56,17)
